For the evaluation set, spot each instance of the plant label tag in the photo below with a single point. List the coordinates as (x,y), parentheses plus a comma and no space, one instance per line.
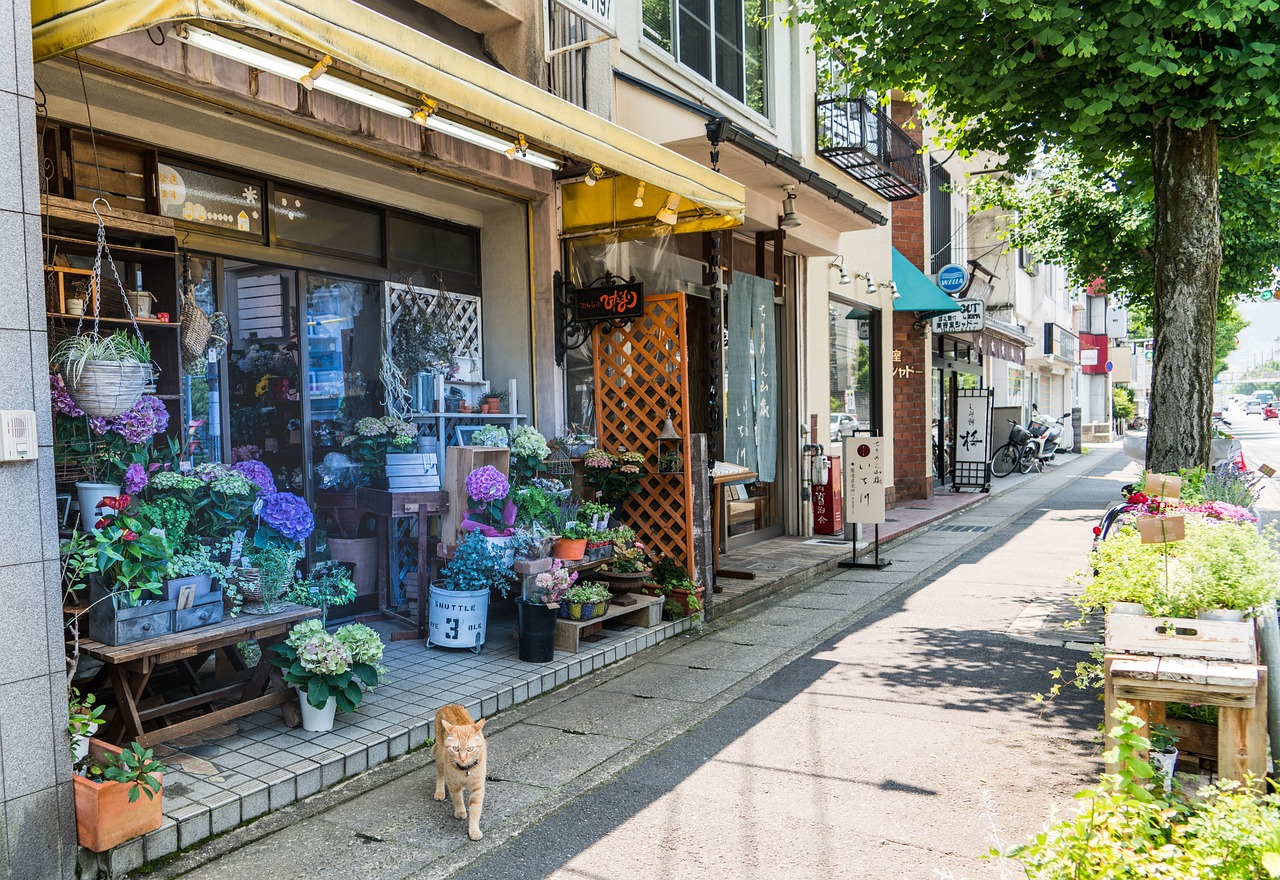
(1266,470)
(187,596)
(1162,529)
(237,547)
(1164,485)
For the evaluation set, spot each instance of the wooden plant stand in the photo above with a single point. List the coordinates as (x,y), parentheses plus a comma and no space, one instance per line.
(1239,690)
(646,612)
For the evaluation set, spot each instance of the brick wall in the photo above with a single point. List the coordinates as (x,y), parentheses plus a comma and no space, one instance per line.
(911,362)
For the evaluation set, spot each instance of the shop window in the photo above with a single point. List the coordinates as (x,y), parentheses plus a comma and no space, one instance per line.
(223,202)
(940,218)
(444,249)
(300,219)
(854,368)
(721,41)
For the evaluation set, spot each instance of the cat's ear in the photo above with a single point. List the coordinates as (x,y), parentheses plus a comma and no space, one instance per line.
(448,728)
(480,724)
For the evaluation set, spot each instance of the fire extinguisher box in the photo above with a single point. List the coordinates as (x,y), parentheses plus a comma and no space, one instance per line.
(828,502)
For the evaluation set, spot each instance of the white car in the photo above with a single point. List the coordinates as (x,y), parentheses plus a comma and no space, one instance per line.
(843,425)
(1252,405)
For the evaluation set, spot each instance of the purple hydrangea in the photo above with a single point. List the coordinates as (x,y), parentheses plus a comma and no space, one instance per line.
(289,515)
(62,402)
(485,484)
(135,479)
(257,473)
(147,419)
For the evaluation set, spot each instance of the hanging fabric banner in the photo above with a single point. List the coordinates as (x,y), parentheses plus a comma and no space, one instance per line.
(765,352)
(740,428)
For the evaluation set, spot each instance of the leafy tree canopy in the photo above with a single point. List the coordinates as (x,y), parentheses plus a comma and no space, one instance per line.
(1012,76)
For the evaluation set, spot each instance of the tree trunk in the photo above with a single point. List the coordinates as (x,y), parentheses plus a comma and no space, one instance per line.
(1188,251)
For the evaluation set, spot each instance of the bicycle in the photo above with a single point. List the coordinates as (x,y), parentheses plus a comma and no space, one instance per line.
(1013,454)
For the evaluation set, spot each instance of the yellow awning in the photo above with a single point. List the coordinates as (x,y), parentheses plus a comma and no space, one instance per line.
(383,47)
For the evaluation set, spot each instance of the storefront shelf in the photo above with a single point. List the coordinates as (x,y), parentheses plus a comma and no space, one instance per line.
(142,322)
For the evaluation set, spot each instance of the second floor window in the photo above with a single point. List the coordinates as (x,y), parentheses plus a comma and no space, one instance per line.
(720,40)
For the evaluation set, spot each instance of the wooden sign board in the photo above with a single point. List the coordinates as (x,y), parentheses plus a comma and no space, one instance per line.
(617,302)
(1266,470)
(864,473)
(1162,529)
(1164,485)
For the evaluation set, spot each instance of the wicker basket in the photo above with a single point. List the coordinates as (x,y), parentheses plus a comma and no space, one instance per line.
(107,389)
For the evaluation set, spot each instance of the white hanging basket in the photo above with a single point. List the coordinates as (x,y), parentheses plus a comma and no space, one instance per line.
(107,389)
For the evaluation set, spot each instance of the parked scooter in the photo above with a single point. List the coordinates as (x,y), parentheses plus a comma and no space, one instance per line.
(1043,445)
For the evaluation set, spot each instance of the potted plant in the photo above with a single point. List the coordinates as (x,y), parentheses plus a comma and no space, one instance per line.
(670,580)
(84,717)
(585,600)
(538,610)
(421,343)
(531,543)
(108,787)
(613,477)
(571,546)
(328,584)
(197,582)
(459,608)
(105,375)
(629,566)
(491,513)
(331,671)
(670,463)
(529,449)
(596,514)
(372,440)
(494,436)
(1164,753)
(536,506)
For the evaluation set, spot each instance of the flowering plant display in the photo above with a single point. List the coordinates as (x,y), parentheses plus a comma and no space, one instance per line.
(129,554)
(257,473)
(491,512)
(588,592)
(341,665)
(106,448)
(491,435)
(248,452)
(629,557)
(260,360)
(328,584)
(283,519)
(550,586)
(537,507)
(528,449)
(370,439)
(614,477)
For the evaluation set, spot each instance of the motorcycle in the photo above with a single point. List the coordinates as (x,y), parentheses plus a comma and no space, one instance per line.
(1042,446)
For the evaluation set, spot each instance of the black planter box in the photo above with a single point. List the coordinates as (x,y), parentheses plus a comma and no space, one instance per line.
(113,621)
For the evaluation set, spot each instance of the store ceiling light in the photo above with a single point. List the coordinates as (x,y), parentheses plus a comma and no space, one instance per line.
(670,212)
(638,202)
(789,220)
(519,148)
(423,114)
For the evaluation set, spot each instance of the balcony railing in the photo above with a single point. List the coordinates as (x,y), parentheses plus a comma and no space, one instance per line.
(860,139)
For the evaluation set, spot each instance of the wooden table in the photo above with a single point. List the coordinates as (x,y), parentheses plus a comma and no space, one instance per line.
(426,506)
(129,669)
(718,482)
(1239,690)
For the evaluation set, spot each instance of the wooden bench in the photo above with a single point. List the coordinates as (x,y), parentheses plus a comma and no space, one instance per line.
(129,669)
(646,612)
(1238,689)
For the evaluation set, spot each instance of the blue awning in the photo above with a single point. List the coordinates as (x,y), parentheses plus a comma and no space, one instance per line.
(917,292)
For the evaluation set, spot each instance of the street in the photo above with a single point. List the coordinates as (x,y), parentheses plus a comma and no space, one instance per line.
(873,724)
(1261,441)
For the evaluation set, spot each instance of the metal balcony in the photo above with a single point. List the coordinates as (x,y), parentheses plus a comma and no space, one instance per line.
(860,139)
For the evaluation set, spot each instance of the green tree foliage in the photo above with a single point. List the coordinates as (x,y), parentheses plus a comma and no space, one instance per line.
(1174,82)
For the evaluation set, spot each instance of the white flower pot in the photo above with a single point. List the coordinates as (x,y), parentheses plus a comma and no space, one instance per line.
(501,547)
(80,744)
(317,720)
(457,619)
(1232,614)
(89,495)
(1164,763)
(1128,608)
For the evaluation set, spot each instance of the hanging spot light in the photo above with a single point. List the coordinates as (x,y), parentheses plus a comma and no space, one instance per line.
(871,284)
(838,263)
(519,148)
(594,173)
(638,202)
(309,78)
(426,109)
(894,287)
(789,220)
(670,212)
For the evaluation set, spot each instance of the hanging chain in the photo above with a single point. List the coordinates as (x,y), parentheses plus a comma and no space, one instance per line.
(95,281)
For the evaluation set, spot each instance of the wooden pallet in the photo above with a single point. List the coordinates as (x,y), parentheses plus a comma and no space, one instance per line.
(1181,637)
(646,612)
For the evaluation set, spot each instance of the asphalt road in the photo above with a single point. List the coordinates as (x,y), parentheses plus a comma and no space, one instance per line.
(899,748)
(1261,442)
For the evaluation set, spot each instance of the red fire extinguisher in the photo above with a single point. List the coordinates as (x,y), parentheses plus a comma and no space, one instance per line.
(828,495)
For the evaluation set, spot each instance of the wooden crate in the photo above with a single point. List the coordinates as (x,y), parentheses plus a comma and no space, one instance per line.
(460,461)
(1181,637)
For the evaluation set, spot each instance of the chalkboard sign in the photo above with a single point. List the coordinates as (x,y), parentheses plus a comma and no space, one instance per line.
(617,302)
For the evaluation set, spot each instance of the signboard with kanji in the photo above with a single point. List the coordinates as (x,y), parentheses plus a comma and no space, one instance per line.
(864,479)
(973,437)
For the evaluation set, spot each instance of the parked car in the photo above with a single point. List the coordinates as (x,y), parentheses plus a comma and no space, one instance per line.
(843,425)
(1270,411)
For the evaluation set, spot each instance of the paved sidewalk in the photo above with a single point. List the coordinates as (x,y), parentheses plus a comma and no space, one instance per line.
(550,750)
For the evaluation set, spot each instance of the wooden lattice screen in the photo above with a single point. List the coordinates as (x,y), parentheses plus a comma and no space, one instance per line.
(642,374)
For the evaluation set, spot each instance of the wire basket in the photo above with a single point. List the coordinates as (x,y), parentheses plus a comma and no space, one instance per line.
(559,464)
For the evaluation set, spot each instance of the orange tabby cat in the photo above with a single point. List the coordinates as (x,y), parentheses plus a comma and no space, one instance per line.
(460,763)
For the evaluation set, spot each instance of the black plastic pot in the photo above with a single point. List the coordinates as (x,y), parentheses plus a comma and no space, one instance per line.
(537,632)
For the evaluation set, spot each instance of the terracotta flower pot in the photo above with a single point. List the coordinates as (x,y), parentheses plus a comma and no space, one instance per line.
(569,549)
(104,816)
(623,582)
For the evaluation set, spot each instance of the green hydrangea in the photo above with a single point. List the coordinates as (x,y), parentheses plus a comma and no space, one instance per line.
(364,643)
(175,480)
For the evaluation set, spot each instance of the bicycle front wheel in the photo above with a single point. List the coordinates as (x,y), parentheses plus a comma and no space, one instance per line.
(1027,459)
(1004,461)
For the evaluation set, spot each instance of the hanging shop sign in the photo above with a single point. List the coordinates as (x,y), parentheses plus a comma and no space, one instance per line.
(953,277)
(972,318)
(615,302)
